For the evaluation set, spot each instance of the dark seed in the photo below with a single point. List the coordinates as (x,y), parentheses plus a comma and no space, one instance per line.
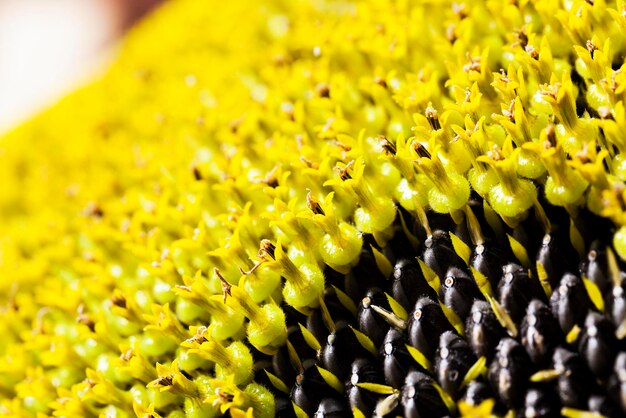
(454,358)
(616,387)
(396,358)
(363,276)
(540,333)
(489,258)
(477,392)
(595,266)
(509,372)
(598,345)
(575,382)
(370,322)
(517,289)
(458,291)
(426,323)
(340,350)
(409,284)
(332,408)
(541,402)
(281,363)
(420,399)
(309,389)
(557,255)
(483,330)
(439,253)
(616,299)
(570,302)
(362,371)
(602,405)
(284,407)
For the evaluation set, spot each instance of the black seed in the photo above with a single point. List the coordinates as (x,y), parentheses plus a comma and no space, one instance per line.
(557,256)
(509,372)
(598,345)
(409,284)
(489,258)
(284,407)
(281,363)
(454,358)
(595,266)
(337,311)
(477,392)
(340,350)
(364,275)
(439,253)
(616,301)
(420,399)
(529,234)
(616,387)
(332,408)
(540,333)
(396,358)
(570,302)
(362,371)
(370,322)
(483,330)
(310,388)
(575,382)
(517,289)
(541,402)
(458,291)
(426,323)
(399,247)
(602,405)
(315,324)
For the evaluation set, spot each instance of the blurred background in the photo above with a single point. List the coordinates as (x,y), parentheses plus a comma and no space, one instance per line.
(48,47)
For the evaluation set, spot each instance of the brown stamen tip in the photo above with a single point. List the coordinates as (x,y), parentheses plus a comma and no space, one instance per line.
(199,337)
(583,154)
(343,171)
(313,205)
(86,320)
(451,33)
(387,146)
(532,51)
(344,147)
(309,163)
(118,300)
(550,90)
(165,380)
(197,174)
(459,10)
(591,47)
(127,355)
(323,90)
(421,150)
(433,118)
(225,285)
(522,38)
(551,135)
(495,154)
(267,248)
(510,112)
(380,81)
(271,181)
(472,65)
(94,210)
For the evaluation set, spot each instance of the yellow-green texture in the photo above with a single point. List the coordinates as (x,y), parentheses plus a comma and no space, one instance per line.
(305,123)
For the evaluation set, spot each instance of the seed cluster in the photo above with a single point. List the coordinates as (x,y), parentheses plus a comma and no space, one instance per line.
(325,207)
